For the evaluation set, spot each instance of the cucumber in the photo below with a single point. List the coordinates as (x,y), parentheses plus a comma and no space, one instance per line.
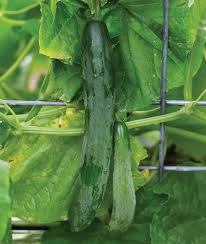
(124,200)
(97,149)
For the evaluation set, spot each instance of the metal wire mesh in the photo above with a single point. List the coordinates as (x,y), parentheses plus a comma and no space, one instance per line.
(162,102)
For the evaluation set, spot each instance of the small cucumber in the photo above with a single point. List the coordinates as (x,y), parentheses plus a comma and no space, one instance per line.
(124,200)
(98,138)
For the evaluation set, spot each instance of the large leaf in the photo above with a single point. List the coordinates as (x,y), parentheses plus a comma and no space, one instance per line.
(141,53)
(184,18)
(60,35)
(182,219)
(141,44)
(43,170)
(64,81)
(5,202)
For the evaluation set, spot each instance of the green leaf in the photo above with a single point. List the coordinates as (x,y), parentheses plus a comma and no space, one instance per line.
(182,218)
(138,152)
(112,20)
(184,19)
(5,201)
(60,35)
(44,170)
(64,81)
(141,44)
(43,192)
(141,53)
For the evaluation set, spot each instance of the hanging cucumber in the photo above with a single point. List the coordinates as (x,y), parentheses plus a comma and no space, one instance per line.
(98,139)
(124,200)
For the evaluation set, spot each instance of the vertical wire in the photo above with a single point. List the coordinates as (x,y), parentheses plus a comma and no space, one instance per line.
(163,85)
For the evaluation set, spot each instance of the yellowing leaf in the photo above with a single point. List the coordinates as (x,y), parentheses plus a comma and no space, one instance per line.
(60,35)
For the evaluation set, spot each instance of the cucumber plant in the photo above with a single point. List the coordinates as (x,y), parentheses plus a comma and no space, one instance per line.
(77,165)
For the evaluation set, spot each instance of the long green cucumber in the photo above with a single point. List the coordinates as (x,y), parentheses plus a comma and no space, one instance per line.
(124,200)
(98,138)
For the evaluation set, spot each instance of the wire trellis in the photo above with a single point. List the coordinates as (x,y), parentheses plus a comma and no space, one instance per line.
(163,102)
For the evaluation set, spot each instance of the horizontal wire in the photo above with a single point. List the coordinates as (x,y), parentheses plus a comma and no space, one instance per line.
(175,168)
(50,103)
(180,102)
(31,103)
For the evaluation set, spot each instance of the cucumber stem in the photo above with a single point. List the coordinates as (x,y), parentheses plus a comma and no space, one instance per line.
(49,131)
(12,22)
(79,131)
(186,110)
(97,9)
(20,11)
(156,119)
(187,134)
(14,66)
(145,112)
(41,115)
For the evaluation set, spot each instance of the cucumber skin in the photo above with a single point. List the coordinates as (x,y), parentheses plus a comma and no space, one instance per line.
(97,149)
(124,200)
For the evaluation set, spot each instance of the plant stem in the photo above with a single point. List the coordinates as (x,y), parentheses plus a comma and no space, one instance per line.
(95,8)
(12,22)
(51,131)
(18,61)
(156,119)
(10,92)
(199,114)
(79,131)
(187,134)
(145,112)
(20,11)
(41,115)
(12,122)
(186,110)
